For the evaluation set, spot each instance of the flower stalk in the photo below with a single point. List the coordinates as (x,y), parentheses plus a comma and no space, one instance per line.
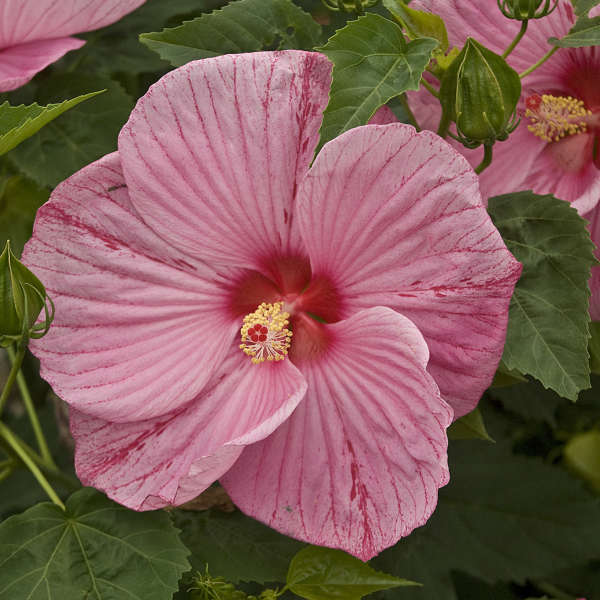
(517,39)
(539,63)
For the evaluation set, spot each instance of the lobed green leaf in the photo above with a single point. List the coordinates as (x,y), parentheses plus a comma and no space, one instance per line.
(96,550)
(372,64)
(548,327)
(17,123)
(242,26)
(468,427)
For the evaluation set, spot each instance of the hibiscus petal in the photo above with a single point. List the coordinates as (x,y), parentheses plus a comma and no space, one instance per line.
(394,218)
(213,152)
(138,329)
(359,463)
(463,18)
(18,64)
(28,20)
(171,459)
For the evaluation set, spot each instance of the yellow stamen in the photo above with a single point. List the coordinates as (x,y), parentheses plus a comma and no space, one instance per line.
(554,117)
(264,333)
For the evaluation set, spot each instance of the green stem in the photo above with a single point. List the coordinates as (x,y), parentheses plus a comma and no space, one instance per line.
(14,371)
(538,63)
(487,159)
(517,39)
(444,125)
(35,423)
(548,588)
(12,441)
(429,87)
(52,472)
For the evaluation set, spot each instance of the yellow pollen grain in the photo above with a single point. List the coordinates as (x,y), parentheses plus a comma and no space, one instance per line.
(557,117)
(278,341)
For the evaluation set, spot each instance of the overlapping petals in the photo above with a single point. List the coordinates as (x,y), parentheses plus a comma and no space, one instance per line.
(358,464)
(35,33)
(139,326)
(524,161)
(394,226)
(171,459)
(381,252)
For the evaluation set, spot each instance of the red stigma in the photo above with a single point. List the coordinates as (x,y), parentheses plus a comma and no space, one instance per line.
(533,102)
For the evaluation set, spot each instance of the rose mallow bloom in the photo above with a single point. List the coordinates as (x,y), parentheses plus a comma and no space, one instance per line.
(35,33)
(226,311)
(554,148)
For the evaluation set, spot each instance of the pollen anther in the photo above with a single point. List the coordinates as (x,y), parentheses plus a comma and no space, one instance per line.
(265,335)
(554,117)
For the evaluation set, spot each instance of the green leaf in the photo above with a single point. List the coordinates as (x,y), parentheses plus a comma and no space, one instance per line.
(19,201)
(96,550)
(468,427)
(548,326)
(372,64)
(583,7)
(235,546)
(418,23)
(585,32)
(242,26)
(17,123)
(83,135)
(117,48)
(595,347)
(319,573)
(501,518)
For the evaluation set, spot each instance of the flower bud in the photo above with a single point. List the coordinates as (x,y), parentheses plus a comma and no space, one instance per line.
(356,6)
(479,92)
(22,298)
(523,10)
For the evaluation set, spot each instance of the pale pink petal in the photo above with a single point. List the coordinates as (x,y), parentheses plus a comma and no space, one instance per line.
(18,64)
(394,218)
(358,464)
(171,459)
(139,328)
(594,219)
(28,20)
(483,20)
(214,151)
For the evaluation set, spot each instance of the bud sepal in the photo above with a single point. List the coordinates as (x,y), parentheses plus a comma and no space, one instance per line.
(22,298)
(480,92)
(523,10)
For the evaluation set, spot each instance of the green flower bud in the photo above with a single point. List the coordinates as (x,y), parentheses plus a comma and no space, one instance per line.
(356,6)
(523,10)
(479,92)
(22,298)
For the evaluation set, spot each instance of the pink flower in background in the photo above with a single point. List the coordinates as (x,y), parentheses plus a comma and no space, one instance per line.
(567,168)
(374,278)
(35,33)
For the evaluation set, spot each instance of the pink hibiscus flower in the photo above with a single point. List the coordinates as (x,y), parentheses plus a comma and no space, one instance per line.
(35,33)
(366,281)
(552,149)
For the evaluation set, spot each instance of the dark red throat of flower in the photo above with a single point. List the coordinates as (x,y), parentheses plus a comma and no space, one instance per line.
(283,311)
